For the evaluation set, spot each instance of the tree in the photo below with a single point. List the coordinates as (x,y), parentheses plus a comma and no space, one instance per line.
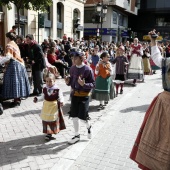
(36,5)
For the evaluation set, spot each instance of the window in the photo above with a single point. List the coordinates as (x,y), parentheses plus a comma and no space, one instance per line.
(114,17)
(88,16)
(47,15)
(59,33)
(163,21)
(21,11)
(120,20)
(75,14)
(1,9)
(59,12)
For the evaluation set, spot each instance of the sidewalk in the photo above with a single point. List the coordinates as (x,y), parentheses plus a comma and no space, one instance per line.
(22,144)
(115,134)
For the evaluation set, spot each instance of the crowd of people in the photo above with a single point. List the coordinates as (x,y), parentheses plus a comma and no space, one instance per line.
(92,69)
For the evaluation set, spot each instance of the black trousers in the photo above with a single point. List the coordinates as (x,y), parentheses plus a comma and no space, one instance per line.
(60,68)
(37,76)
(80,107)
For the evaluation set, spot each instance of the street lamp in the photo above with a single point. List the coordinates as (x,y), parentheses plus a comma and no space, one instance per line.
(102,10)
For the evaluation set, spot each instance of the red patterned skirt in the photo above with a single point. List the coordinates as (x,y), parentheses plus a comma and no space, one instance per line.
(55,126)
(135,147)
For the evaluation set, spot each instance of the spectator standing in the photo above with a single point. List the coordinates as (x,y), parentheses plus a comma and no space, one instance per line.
(13,30)
(36,59)
(22,46)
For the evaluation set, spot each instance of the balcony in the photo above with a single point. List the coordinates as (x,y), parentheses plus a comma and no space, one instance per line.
(119,3)
(82,1)
(124,5)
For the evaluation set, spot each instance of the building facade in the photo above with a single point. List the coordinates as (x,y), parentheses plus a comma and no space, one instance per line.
(152,15)
(115,28)
(59,20)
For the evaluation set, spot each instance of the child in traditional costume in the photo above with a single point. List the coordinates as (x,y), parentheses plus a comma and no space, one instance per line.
(82,81)
(121,65)
(103,80)
(51,114)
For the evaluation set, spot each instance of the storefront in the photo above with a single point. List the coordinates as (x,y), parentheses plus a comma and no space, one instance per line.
(107,34)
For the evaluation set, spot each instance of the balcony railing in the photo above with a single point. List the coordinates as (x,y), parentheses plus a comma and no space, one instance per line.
(124,4)
(82,1)
(120,3)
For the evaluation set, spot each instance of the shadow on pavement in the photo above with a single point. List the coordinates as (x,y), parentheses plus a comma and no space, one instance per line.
(65,109)
(20,149)
(141,108)
(26,113)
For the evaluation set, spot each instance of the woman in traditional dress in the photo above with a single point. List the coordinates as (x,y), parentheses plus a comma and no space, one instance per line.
(146,58)
(15,82)
(135,70)
(152,146)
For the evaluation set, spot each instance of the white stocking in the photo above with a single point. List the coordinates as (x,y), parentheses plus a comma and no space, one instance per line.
(76,125)
(87,123)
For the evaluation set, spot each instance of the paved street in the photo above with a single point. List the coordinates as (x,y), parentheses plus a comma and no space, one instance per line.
(22,144)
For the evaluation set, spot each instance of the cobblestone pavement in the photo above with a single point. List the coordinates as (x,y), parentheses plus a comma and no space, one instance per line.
(22,144)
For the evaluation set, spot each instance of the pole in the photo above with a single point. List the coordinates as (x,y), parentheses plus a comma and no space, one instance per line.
(38,26)
(118,34)
(101,15)
(101,28)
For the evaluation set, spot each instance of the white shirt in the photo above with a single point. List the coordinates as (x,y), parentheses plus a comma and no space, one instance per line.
(156,56)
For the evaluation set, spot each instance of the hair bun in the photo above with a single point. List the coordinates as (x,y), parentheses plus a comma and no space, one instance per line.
(11,35)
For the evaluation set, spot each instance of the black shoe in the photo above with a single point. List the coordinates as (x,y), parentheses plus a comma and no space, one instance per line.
(33,94)
(74,140)
(116,94)
(48,137)
(121,91)
(101,107)
(15,104)
(105,103)
(1,109)
(89,132)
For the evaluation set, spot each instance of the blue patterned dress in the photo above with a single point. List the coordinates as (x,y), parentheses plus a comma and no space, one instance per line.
(15,80)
